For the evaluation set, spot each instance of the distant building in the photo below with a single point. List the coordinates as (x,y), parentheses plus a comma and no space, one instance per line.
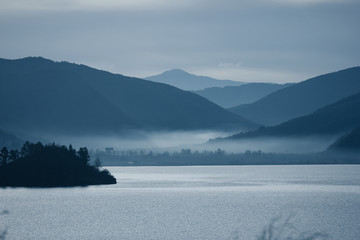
(109,150)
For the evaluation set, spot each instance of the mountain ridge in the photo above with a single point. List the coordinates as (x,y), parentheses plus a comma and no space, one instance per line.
(302,98)
(246,93)
(41,94)
(333,119)
(187,81)
(349,142)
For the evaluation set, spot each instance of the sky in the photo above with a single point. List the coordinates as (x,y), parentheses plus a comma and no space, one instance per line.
(242,40)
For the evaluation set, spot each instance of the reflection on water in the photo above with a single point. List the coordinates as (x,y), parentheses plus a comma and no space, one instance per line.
(190,203)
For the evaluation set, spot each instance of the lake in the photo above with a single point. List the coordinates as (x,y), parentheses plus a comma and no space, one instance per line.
(194,202)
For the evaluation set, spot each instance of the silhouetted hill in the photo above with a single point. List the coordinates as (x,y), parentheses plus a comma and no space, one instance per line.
(41,95)
(302,98)
(38,94)
(333,119)
(348,142)
(37,165)
(236,95)
(186,81)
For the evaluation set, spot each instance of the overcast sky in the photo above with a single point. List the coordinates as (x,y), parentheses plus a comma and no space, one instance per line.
(244,40)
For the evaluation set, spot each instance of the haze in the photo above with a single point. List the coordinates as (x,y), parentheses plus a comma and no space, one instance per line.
(172,141)
(273,41)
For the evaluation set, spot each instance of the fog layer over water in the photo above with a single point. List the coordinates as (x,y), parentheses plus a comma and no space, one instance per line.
(195,140)
(222,202)
(276,144)
(139,139)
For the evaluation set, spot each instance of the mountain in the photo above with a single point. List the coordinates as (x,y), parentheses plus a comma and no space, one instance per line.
(334,119)
(186,81)
(9,140)
(38,94)
(348,142)
(302,98)
(236,95)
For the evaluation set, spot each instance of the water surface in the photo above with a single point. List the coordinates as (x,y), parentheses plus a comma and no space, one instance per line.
(200,202)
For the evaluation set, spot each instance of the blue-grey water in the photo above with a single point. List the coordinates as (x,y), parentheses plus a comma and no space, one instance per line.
(197,202)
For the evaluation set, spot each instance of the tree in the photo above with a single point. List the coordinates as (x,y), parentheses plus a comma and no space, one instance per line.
(14,155)
(84,155)
(50,165)
(4,156)
(97,163)
(71,149)
(25,150)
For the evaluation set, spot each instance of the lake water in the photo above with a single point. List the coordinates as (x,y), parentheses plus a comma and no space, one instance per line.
(204,202)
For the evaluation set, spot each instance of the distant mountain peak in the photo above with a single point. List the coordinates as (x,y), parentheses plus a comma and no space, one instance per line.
(176,70)
(188,81)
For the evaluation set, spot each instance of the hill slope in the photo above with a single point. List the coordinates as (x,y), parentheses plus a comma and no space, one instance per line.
(236,95)
(10,141)
(302,98)
(348,142)
(186,81)
(333,119)
(42,95)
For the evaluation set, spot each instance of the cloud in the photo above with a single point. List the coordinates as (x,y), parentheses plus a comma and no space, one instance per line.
(306,2)
(10,6)
(236,71)
(89,5)
(250,40)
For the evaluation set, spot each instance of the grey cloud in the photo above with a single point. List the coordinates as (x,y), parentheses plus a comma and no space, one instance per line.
(266,38)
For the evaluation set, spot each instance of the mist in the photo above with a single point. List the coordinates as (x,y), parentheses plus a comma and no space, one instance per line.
(171,141)
(298,145)
(184,148)
(149,140)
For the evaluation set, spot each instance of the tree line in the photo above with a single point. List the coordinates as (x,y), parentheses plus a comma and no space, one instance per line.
(139,157)
(38,165)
